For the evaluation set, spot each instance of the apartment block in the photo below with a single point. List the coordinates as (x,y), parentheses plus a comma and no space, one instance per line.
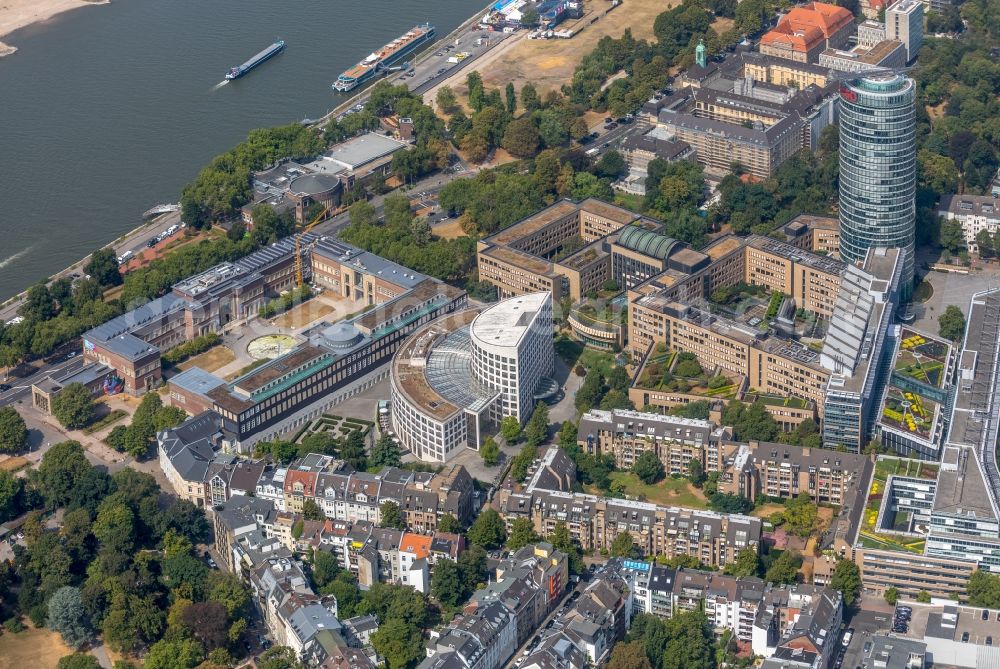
(713,538)
(975,213)
(627,434)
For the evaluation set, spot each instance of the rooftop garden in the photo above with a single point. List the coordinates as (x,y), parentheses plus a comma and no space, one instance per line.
(733,295)
(777,400)
(870,535)
(909,411)
(682,373)
(921,358)
(603,314)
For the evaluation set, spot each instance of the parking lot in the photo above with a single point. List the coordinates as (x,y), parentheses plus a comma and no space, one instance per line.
(862,626)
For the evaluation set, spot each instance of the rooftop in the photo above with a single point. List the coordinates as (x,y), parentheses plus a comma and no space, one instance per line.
(506,322)
(535,222)
(961,489)
(368,263)
(970,205)
(356,152)
(411,366)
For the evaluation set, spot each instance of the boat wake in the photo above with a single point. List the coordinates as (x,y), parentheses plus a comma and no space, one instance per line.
(7,261)
(220,84)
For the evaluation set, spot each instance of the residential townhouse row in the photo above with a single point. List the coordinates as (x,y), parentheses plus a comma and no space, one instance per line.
(713,538)
(373,554)
(502,616)
(580,634)
(797,624)
(194,461)
(293,613)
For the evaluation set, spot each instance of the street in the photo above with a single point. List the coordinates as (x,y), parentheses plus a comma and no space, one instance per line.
(129,242)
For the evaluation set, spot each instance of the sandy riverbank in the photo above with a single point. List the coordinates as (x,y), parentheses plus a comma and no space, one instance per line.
(16,14)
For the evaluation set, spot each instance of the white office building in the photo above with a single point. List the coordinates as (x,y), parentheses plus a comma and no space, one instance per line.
(904,22)
(456,378)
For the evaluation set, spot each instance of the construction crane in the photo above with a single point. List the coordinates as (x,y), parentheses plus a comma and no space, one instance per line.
(298,244)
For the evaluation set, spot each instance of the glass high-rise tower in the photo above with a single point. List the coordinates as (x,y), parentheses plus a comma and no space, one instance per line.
(878,168)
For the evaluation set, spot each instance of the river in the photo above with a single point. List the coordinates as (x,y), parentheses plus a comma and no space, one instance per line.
(108,110)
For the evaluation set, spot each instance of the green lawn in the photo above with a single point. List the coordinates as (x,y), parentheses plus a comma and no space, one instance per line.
(668,492)
(574,353)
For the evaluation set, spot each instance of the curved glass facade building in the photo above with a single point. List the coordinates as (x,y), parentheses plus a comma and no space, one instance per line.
(878,168)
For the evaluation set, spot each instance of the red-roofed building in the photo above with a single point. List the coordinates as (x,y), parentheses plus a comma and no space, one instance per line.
(804,32)
(298,486)
(872,8)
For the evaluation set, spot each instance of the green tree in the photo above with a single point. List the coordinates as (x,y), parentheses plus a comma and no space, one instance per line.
(521,138)
(537,429)
(801,515)
(729,503)
(624,546)
(747,563)
(63,467)
(447,584)
(400,643)
(11,496)
(924,597)
(951,324)
(78,661)
(529,19)
(473,563)
(103,267)
(488,530)
(446,100)
(73,406)
(951,237)
(529,97)
(891,596)
(114,526)
(449,523)
(784,569)
(278,657)
(847,579)
(984,589)
(696,473)
(390,515)
(750,422)
(510,96)
(179,654)
(489,452)
(13,431)
(362,213)
(385,453)
(68,616)
(648,467)
(611,165)
(630,655)
(477,94)
(522,462)
(312,511)
(510,429)
(522,533)
(353,451)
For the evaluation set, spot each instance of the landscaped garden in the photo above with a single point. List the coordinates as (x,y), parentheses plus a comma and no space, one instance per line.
(337,427)
(909,411)
(921,358)
(777,400)
(870,535)
(682,373)
(574,353)
(667,492)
